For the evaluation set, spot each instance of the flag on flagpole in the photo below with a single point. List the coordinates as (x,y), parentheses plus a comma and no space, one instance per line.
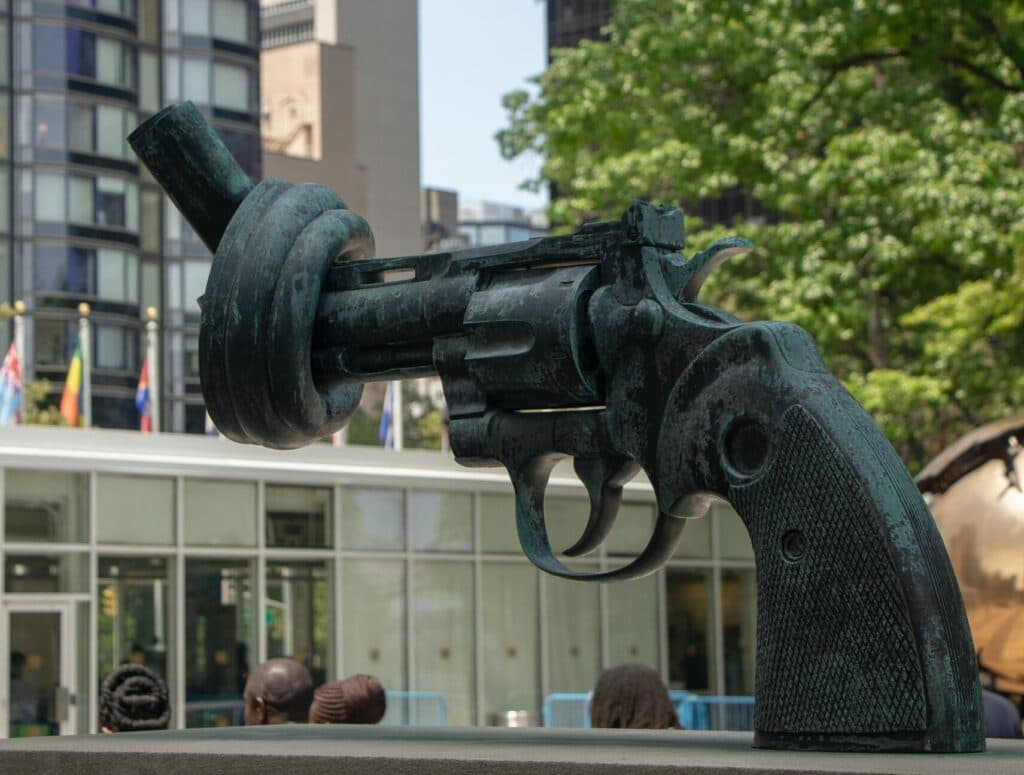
(386,431)
(10,388)
(142,399)
(71,400)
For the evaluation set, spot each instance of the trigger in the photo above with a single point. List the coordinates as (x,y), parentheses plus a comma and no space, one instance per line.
(604,480)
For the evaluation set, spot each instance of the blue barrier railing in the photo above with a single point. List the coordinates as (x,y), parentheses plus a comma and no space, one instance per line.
(416,709)
(710,712)
(696,711)
(567,709)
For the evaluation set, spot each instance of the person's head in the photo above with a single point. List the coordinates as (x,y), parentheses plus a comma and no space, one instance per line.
(632,697)
(17,664)
(138,655)
(356,700)
(133,699)
(278,691)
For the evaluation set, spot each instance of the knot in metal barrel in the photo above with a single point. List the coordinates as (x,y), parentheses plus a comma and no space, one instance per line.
(258,313)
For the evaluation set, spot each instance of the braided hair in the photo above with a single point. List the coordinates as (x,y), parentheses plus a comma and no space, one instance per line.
(359,699)
(134,699)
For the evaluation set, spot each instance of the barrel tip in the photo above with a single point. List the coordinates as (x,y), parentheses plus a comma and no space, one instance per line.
(176,113)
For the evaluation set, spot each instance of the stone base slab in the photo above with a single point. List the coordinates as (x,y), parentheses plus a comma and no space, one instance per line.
(364,750)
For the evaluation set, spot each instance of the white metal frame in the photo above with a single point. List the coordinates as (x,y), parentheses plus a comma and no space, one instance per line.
(64,607)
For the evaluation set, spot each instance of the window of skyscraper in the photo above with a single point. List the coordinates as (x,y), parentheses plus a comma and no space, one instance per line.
(118,7)
(69,50)
(232,87)
(52,339)
(100,200)
(232,21)
(116,348)
(106,273)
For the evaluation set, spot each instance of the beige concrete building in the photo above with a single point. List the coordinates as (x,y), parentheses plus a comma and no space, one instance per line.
(340,106)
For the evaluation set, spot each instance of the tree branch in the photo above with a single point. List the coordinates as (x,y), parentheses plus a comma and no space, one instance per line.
(1012,52)
(857,60)
(982,73)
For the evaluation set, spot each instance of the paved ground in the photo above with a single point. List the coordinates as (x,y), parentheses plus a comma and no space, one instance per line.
(312,750)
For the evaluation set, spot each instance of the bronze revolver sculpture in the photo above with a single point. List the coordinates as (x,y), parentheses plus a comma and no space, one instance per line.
(862,639)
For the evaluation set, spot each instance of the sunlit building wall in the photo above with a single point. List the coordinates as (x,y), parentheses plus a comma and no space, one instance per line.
(341,107)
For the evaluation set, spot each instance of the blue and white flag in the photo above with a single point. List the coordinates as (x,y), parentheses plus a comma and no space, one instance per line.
(386,434)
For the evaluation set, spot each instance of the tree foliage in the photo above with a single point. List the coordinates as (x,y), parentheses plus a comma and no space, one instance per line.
(885,143)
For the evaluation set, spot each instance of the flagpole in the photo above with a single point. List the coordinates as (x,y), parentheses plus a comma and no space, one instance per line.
(152,363)
(396,413)
(85,342)
(19,336)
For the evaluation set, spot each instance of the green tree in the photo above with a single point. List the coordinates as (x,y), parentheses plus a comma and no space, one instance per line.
(885,142)
(38,407)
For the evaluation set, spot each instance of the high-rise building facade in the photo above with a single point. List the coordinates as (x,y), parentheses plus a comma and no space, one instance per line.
(570,21)
(340,102)
(82,221)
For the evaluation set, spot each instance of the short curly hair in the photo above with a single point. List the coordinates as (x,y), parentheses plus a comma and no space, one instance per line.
(133,698)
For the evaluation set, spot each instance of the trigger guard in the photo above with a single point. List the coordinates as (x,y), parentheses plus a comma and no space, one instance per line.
(529,484)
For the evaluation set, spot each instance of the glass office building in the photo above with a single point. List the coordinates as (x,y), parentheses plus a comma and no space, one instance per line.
(80,221)
(201,558)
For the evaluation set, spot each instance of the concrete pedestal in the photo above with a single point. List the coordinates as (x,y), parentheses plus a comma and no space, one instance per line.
(312,750)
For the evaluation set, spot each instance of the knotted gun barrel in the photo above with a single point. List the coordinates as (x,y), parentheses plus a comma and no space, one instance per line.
(862,638)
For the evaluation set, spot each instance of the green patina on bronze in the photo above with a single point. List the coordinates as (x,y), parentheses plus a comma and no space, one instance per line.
(862,639)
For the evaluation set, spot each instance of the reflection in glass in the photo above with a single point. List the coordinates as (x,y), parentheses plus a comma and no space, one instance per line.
(135,510)
(372,622)
(231,21)
(298,517)
(574,635)
(633,621)
(689,621)
(739,629)
(441,521)
(75,52)
(510,639)
(45,506)
(92,200)
(372,519)
(696,541)
(35,670)
(219,513)
(443,617)
(134,615)
(53,340)
(565,519)
(733,538)
(46,573)
(63,124)
(218,640)
(298,615)
(232,87)
(498,524)
(632,529)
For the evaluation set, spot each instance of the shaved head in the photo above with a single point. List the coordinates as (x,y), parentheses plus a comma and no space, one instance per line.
(278,691)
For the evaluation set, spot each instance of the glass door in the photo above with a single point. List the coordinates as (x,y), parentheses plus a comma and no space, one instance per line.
(38,698)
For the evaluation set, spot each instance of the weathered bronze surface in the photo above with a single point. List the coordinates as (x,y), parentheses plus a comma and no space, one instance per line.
(862,639)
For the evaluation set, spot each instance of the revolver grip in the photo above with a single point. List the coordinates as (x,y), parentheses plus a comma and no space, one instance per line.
(862,639)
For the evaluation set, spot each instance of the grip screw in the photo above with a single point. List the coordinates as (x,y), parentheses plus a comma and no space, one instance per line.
(793,545)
